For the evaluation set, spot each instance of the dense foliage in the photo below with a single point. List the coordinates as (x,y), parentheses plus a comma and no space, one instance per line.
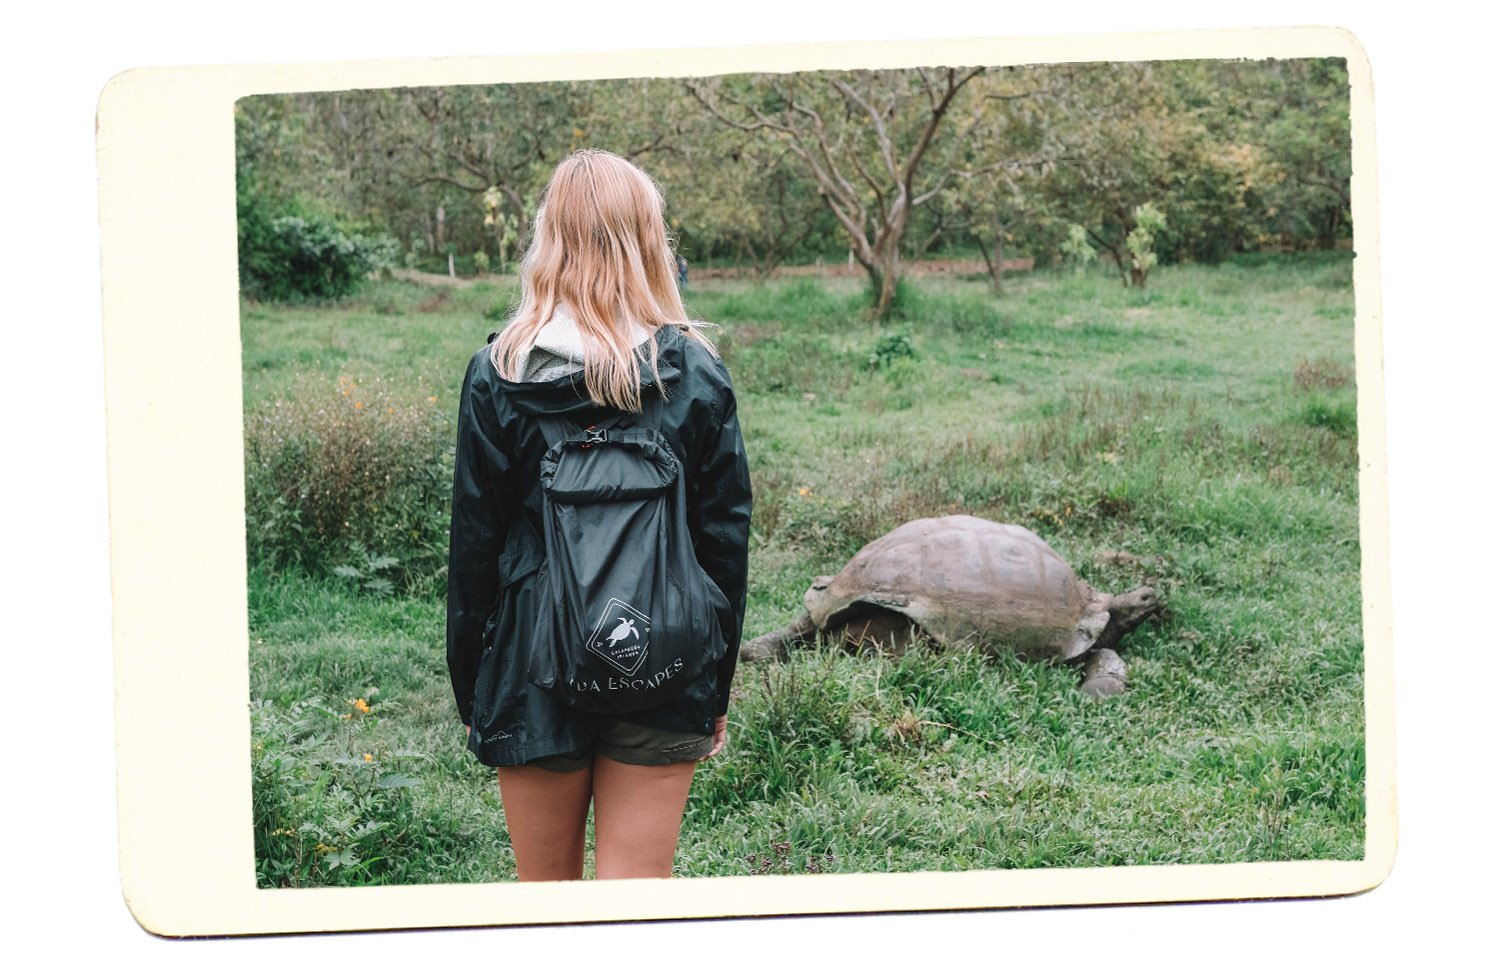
(871,167)
(334,469)
(288,250)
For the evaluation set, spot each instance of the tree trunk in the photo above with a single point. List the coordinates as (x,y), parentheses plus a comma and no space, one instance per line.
(427,232)
(989,264)
(739,258)
(890,270)
(997,272)
(1329,230)
(440,218)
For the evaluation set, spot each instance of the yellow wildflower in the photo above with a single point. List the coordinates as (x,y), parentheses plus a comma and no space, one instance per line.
(369,757)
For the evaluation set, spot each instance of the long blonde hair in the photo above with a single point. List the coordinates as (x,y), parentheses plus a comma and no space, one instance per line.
(599,243)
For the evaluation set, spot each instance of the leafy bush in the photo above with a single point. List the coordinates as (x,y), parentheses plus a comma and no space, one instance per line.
(1149,221)
(326,814)
(1076,247)
(305,256)
(889,349)
(339,473)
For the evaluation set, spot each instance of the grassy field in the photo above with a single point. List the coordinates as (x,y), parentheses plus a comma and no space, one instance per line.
(1207,424)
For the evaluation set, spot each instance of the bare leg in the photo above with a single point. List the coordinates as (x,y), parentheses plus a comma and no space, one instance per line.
(637,816)
(546,813)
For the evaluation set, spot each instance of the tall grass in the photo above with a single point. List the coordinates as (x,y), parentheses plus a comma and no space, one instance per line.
(1206,426)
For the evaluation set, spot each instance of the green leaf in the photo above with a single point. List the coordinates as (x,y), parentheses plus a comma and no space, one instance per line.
(397,780)
(344,857)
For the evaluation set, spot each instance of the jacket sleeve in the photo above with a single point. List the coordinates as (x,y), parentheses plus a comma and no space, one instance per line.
(721,507)
(476,534)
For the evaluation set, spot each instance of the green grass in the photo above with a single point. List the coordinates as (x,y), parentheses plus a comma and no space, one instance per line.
(1170,422)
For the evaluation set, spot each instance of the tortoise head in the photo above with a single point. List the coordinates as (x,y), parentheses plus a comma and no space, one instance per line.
(817,593)
(1129,609)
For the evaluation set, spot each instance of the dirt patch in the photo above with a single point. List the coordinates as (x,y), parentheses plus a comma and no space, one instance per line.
(825,270)
(443,279)
(831,270)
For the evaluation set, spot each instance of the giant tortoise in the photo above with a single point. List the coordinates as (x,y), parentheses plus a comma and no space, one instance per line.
(966,582)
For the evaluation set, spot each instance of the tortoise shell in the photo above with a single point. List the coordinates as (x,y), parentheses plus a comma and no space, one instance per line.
(966,580)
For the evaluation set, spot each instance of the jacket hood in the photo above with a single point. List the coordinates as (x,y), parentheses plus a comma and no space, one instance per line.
(559,346)
(558,352)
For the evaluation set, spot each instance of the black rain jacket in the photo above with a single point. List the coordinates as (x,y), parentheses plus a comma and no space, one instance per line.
(495,546)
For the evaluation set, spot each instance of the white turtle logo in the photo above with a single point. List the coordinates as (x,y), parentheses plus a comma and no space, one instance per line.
(624,647)
(625,628)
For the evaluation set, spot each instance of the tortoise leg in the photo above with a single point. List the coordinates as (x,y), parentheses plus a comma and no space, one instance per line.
(773,646)
(1103,674)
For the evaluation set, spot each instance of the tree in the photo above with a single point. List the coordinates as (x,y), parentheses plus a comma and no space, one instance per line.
(1013,141)
(497,138)
(863,136)
(1302,161)
(1131,140)
(742,194)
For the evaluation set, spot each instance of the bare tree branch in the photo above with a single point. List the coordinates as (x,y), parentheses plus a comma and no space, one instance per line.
(875,187)
(883,137)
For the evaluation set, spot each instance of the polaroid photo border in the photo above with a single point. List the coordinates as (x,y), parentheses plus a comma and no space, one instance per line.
(165,146)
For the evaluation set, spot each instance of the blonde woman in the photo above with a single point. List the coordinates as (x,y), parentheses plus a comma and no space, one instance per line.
(600,326)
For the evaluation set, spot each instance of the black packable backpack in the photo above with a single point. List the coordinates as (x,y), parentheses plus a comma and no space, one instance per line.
(626,616)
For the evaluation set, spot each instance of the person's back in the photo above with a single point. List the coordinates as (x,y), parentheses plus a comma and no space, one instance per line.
(568,356)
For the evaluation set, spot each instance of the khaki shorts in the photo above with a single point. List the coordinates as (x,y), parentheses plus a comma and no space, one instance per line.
(633,745)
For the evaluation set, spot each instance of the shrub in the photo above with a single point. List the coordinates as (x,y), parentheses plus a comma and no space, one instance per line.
(305,256)
(327,811)
(338,471)
(1149,221)
(889,349)
(1076,247)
